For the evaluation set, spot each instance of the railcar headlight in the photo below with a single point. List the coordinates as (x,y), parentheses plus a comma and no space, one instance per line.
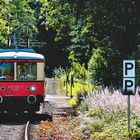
(33,88)
(15,56)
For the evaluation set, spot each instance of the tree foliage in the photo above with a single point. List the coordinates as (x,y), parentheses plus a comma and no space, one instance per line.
(14,15)
(76,27)
(72,25)
(103,68)
(112,25)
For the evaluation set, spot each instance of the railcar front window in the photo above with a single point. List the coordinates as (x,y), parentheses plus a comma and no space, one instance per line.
(6,71)
(26,71)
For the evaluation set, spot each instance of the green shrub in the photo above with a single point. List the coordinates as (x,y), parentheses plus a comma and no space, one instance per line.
(103,68)
(115,130)
(135,129)
(60,78)
(97,66)
(79,91)
(79,71)
(84,106)
(73,101)
(58,72)
(97,126)
(80,88)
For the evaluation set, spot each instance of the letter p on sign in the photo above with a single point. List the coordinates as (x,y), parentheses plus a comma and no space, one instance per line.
(129,77)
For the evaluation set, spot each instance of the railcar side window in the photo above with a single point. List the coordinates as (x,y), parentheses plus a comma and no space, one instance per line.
(6,71)
(26,71)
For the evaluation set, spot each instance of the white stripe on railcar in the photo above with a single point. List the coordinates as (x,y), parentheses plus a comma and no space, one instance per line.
(21,55)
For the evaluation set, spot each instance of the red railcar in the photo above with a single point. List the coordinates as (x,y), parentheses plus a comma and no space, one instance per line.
(21,80)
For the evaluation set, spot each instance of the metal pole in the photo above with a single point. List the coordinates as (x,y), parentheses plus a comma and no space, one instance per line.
(71,89)
(28,41)
(67,80)
(66,89)
(71,85)
(129,115)
(9,39)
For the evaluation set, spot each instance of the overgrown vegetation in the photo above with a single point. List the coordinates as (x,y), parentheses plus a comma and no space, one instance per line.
(101,115)
(105,110)
(109,108)
(73,82)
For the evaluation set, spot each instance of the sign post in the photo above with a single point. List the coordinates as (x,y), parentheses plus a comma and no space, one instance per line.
(129,114)
(129,83)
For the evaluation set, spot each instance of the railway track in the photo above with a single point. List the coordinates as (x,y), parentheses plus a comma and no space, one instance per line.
(19,127)
(27,131)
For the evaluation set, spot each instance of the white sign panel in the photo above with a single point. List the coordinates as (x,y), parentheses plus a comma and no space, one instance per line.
(129,84)
(129,77)
(129,68)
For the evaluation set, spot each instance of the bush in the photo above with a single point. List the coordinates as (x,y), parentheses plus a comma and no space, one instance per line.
(135,128)
(79,91)
(58,72)
(103,68)
(60,78)
(97,66)
(79,71)
(84,106)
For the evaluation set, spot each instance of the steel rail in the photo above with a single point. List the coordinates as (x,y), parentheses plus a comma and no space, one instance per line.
(26,132)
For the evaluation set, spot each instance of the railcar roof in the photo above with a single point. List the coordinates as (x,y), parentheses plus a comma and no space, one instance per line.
(20,55)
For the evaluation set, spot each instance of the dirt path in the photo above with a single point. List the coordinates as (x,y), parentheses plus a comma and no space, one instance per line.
(50,87)
(11,131)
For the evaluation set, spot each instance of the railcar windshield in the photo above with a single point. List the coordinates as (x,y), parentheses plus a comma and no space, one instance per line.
(26,71)
(6,71)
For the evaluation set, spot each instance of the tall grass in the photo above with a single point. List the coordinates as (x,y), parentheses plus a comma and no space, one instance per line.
(113,101)
(108,109)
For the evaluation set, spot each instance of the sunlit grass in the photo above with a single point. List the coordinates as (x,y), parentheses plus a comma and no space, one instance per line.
(114,101)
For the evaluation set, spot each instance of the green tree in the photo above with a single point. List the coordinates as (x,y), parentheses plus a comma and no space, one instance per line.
(71,25)
(79,26)
(15,14)
(103,68)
